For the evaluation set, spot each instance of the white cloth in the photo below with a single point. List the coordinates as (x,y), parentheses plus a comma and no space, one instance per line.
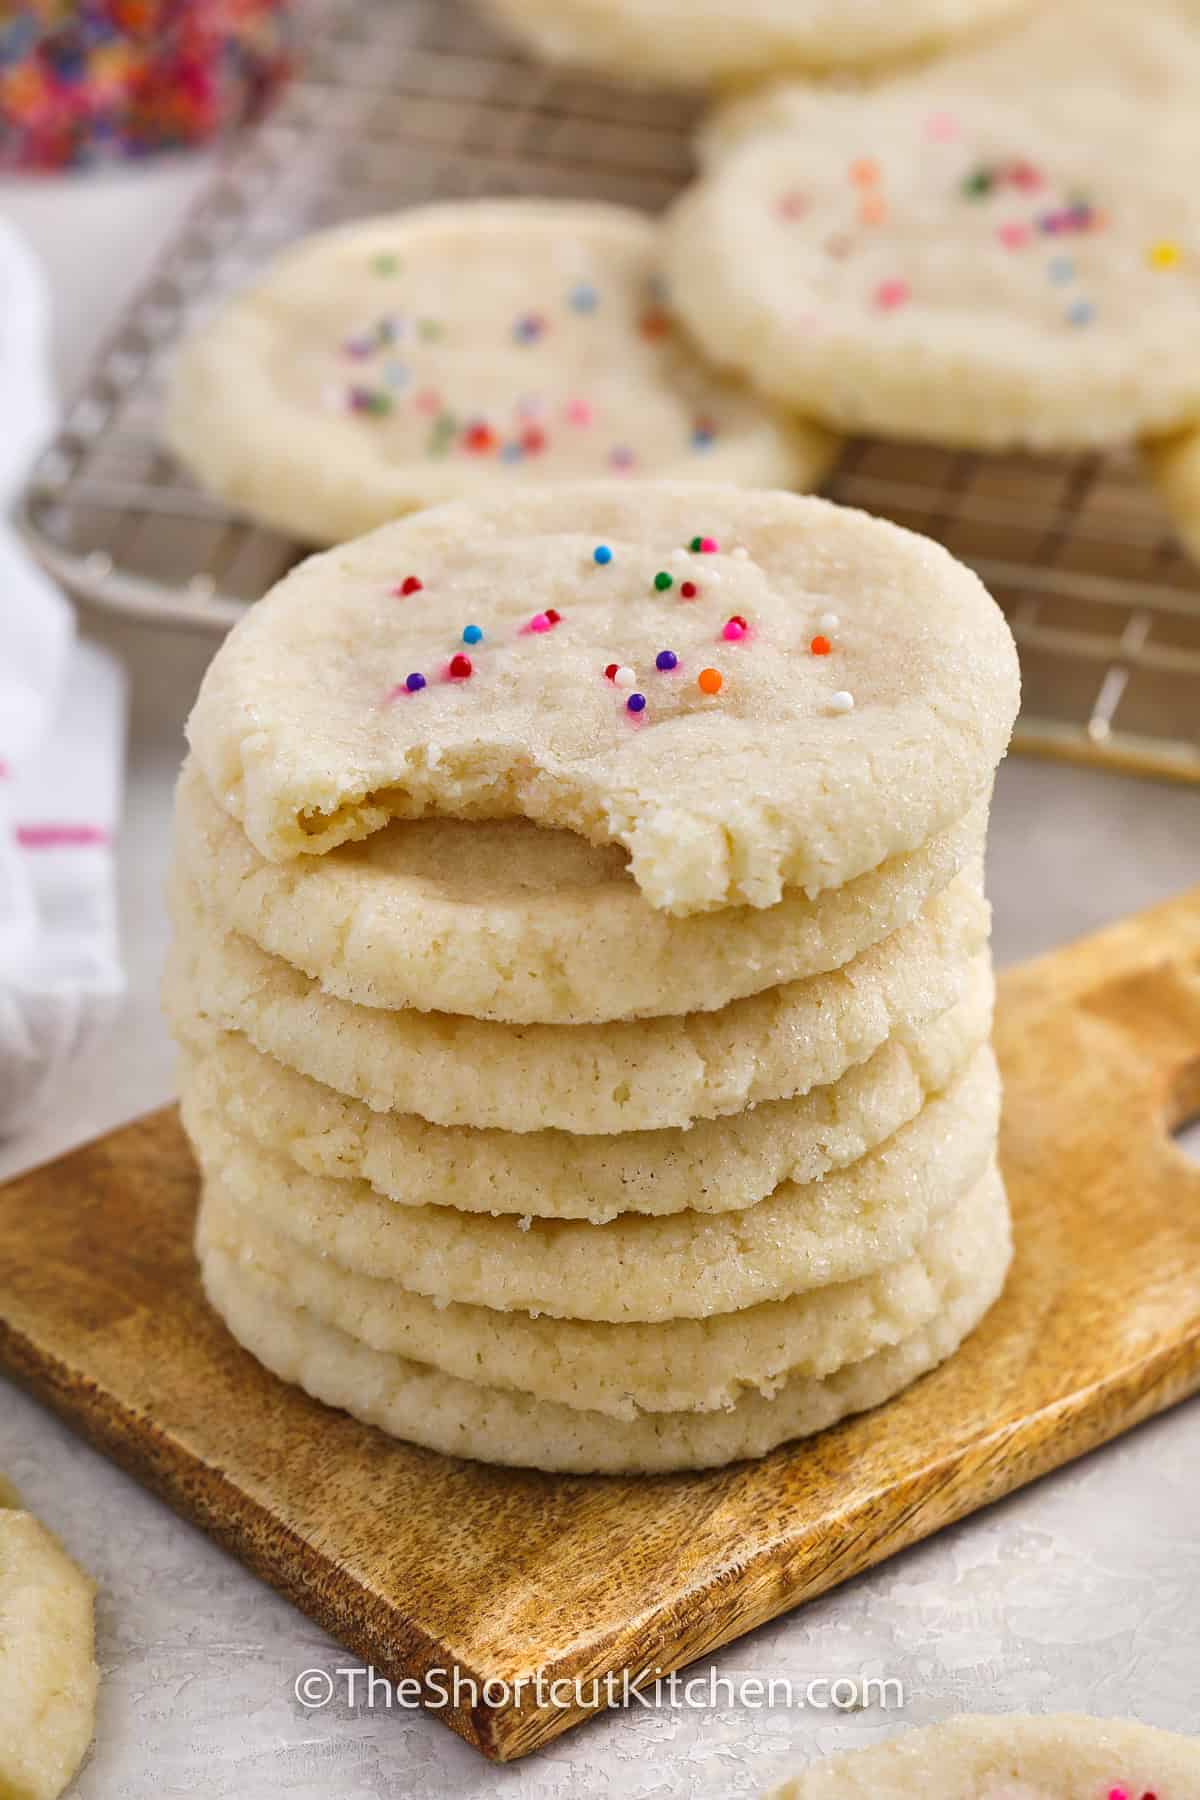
(62,728)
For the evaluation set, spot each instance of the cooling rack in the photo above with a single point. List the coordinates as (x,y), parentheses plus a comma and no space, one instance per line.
(405,100)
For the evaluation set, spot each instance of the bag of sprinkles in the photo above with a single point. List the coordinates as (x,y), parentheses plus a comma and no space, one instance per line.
(92,81)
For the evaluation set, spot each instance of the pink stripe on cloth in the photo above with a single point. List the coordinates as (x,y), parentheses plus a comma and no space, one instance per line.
(60,837)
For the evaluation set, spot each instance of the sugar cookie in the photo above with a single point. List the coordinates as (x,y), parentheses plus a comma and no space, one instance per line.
(718,1165)
(985,254)
(706,43)
(1174,466)
(445,351)
(1064,1757)
(853,1223)
(682,698)
(505,920)
(48,1676)
(682,1365)
(413,1401)
(1068,59)
(641,1075)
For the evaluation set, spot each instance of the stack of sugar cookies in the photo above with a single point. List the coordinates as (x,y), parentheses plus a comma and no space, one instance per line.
(582,972)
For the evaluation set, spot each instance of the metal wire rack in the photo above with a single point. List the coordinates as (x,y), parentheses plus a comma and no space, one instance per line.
(405,100)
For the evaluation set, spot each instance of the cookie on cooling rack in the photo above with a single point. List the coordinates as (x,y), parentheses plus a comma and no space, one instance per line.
(1002,250)
(707,43)
(1067,1757)
(450,350)
(1174,466)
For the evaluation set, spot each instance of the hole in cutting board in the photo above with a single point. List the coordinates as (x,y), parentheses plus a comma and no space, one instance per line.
(1184,1118)
(1187,1138)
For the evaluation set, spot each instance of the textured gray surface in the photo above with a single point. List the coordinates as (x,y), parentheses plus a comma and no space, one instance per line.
(1083,1592)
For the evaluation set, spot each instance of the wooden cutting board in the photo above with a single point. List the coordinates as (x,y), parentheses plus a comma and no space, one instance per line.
(418,1563)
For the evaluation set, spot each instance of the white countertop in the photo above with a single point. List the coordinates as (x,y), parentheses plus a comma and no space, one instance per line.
(1082,1592)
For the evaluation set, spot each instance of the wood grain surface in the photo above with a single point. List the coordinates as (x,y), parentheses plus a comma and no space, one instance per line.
(417,1562)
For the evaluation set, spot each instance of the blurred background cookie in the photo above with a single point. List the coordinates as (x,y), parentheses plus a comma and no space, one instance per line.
(449,350)
(708,43)
(976,255)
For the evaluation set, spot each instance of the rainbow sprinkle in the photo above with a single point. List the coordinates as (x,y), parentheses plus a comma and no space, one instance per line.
(96,81)
(511,432)
(369,400)
(890,295)
(709,681)
(1014,235)
(529,328)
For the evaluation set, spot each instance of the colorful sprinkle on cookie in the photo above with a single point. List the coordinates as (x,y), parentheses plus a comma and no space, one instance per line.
(890,295)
